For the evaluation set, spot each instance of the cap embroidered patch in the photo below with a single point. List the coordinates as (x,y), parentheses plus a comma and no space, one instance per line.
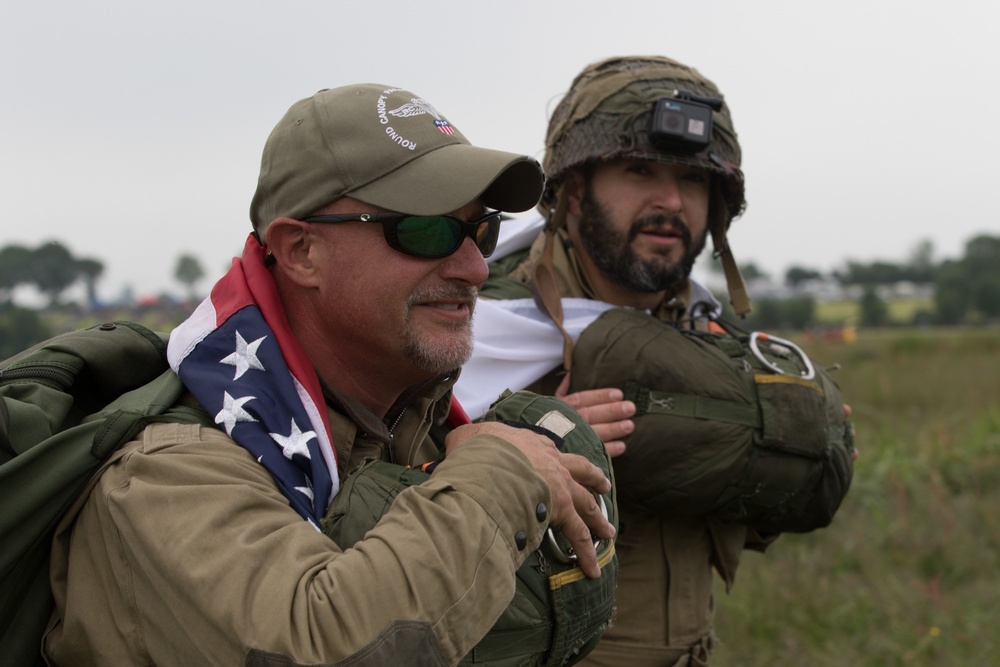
(414,107)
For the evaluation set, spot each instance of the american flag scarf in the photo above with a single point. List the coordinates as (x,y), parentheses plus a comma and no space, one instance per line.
(238,356)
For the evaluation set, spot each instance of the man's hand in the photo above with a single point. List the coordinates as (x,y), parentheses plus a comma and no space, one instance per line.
(570,477)
(606,410)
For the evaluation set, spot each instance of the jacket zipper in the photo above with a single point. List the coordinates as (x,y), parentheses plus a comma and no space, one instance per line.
(402,411)
(52,375)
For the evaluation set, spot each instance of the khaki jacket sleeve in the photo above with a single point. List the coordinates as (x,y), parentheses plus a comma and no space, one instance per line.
(187,553)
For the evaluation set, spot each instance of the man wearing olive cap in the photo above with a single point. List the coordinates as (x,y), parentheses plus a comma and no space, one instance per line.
(335,338)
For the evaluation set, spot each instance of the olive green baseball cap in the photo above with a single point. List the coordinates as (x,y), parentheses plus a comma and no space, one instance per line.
(389,148)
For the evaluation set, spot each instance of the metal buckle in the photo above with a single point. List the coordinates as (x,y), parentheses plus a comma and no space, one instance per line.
(807,374)
(571,556)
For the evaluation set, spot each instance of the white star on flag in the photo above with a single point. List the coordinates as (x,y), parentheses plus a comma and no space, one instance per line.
(233,412)
(245,356)
(295,442)
(307,490)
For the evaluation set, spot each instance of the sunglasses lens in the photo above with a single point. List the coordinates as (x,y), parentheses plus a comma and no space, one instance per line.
(440,235)
(429,236)
(487,232)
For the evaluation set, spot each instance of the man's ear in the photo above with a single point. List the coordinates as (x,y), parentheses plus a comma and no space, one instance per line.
(576,187)
(291,242)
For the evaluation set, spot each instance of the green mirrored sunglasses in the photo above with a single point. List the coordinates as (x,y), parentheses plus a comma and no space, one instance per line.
(428,236)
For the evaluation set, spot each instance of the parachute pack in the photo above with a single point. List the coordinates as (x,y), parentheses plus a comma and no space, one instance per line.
(557,615)
(740,426)
(66,405)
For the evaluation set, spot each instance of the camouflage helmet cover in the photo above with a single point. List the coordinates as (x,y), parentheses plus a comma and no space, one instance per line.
(607,113)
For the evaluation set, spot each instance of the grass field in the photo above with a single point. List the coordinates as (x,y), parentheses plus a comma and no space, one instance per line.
(900,311)
(907,573)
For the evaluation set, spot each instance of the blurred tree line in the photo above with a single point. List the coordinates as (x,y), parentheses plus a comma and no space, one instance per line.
(52,269)
(966,290)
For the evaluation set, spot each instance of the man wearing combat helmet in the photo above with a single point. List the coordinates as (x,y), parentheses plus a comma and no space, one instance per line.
(643,164)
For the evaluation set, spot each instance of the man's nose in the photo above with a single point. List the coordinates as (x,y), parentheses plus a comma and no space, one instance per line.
(667,194)
(466,264)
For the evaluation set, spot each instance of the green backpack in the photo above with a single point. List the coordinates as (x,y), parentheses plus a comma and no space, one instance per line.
(66,405)
(70,402)
(738,426)
(557,615)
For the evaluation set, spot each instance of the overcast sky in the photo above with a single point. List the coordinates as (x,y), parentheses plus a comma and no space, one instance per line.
(132,131)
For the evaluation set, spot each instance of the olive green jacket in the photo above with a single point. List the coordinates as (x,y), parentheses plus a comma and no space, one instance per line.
(185,552)
(664,601)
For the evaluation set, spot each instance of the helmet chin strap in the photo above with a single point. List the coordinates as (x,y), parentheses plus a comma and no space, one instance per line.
(718,223)
(543,275)
(738,296)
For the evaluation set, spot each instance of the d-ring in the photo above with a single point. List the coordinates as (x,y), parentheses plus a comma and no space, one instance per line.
(808,374)
(570,556)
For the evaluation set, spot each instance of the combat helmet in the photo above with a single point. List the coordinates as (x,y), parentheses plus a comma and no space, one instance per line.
(621,107)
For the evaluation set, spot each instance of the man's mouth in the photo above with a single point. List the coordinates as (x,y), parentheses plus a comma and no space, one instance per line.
(669,232)
(449,301)
(662,235)
(446,305)
(662,230)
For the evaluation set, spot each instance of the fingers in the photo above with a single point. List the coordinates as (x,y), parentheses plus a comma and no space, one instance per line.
(609,414)
(591,398)
(583,518)
(576,531)
(610,435)
(605,410)
(615,448)
(572,480)
(585,473)
(611,423)
(581,400)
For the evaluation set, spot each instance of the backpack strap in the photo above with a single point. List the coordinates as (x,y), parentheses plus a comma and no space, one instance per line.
(133,411)
(691,406)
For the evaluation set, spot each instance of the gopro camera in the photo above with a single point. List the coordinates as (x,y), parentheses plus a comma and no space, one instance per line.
(683,121)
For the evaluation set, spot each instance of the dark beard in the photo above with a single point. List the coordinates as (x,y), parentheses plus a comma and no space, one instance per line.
(611,250)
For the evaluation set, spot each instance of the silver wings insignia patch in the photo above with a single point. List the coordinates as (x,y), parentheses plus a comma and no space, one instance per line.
(415,107)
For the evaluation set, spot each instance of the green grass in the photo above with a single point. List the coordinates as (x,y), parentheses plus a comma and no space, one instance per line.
(901,311)
(837,312)
(907,572)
